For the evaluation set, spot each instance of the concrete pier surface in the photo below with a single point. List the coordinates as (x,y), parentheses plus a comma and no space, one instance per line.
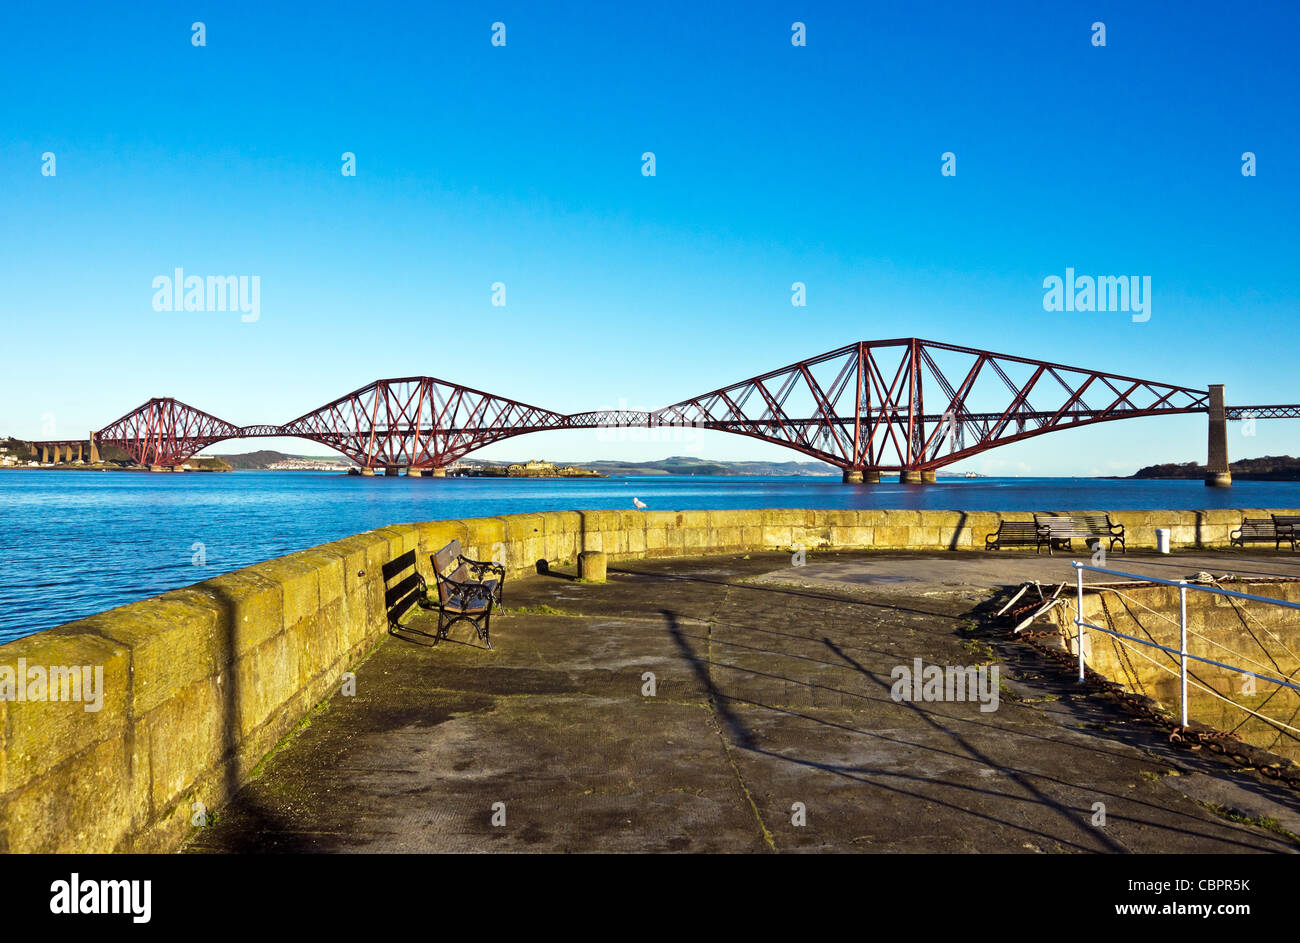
(770,705)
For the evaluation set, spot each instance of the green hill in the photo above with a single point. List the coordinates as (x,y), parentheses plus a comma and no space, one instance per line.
(1266,468)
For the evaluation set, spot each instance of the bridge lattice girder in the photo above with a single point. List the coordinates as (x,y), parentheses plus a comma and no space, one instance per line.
(165,431)
(913,404)
(420,422)
(885,405)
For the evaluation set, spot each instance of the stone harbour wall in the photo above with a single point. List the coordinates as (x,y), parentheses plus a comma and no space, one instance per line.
(200,684)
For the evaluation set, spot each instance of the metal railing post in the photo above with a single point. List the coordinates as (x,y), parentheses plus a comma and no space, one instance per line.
(1184,656)
(1078,618)
(1182,646)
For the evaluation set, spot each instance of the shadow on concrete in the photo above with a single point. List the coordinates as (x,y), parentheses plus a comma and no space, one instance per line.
(1076,707)
(742,736)
(801,593)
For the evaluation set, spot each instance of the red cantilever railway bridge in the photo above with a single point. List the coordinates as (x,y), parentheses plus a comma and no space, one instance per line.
(904,405)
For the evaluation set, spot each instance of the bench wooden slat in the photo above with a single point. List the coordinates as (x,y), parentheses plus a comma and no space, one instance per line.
(1014,533)
(1066,527)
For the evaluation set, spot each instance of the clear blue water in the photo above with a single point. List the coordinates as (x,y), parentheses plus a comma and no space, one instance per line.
(74,543)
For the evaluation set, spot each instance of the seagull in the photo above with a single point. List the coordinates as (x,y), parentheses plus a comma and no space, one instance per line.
(639,504)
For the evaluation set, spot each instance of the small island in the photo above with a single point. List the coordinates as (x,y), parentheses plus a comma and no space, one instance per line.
(1267,468)
(537,468)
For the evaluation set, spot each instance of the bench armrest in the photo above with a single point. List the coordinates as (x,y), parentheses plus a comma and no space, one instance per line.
(467,588)
(482,566)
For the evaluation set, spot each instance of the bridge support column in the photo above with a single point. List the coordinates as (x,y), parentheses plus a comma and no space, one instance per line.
(415,473)
(929,477)
(909,476)
(94,450)
(852,476)
(159,468)
(392,471)
(870,476)
(1217,474)
(437,473)
(368,472)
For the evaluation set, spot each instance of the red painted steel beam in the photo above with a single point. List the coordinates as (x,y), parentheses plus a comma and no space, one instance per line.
(882,424)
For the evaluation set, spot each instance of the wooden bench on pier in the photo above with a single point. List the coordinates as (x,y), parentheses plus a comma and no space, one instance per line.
(1014,534)
(467,590)
(1252,530)
(1060,529)
(1288,529)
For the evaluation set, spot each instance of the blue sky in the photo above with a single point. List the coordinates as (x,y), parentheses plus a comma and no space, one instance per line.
(522,165)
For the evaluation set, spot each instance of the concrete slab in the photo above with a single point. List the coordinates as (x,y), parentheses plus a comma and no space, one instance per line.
(772,689)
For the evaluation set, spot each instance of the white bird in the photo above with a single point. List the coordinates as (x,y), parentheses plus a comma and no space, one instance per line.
(639,504)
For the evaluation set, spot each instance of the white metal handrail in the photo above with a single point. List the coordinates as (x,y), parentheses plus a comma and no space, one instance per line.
(1181,651)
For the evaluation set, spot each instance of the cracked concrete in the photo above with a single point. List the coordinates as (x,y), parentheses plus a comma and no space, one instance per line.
(772,690)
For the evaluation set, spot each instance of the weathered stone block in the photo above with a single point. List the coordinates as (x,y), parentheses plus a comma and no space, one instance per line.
(175,639)
(251,606)
(84,805)
(355,552)
(187,735)
(328,565)
(264,679)
(299,583)
(851,537)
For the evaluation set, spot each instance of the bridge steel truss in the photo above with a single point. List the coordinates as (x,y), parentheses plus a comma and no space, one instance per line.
(889,405)
(165,431)
(418,422)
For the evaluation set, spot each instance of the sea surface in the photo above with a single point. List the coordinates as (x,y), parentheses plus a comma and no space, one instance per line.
(73,543)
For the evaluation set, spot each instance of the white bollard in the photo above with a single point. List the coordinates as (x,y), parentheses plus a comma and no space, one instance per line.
(1162,539)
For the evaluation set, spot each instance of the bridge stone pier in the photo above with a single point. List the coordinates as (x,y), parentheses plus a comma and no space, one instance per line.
(60,452)
(1217,473)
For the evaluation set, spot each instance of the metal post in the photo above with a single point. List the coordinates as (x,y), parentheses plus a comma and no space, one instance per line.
(1182,646)
(1078,618)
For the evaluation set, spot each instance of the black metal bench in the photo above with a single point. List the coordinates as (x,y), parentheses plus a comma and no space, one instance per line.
(1014,534)
(449,562)
(404,587)
(465,592)
(1058,529)
(1254,529)
(1288,529)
